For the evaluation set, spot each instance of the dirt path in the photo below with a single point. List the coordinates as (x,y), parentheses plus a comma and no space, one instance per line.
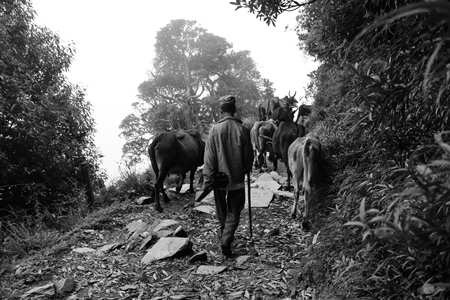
(274,269)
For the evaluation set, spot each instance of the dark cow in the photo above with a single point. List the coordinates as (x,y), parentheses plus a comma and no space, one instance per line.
(305,155)
(282,114)
(175,153)
(283,137)
(271,105)
(281,109)
(261,135)
(304,110)
(262,116)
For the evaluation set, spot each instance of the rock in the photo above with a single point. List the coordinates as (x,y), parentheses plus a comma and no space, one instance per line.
(267,185)
(259,197)
(144,200)
(165,224)
(83,250)
(65,286)
(128,287)
(107,248)
(235,295)
(164,233)
(208,199)
(282,180)
(207,209)
(264,177)
(241,259)
(200,256)
(210,270)
(179,232)
(165,248)
(146,242)
(40,292)
(136,226)
(285,194)
(275,231)
(275,175)
(184,188)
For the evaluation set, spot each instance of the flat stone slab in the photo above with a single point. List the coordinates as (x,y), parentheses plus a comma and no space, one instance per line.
(184,188)
(285,193)
(165,224)
(40,292)
(107,248)
(282,180)
(136,226)
(83,250)
(260,197)
(207,199)
(165,248)
(207,209)
(275,175)
(264,177)
(242,259)
(210,270)
(144,200)
(268,185)
(66,285)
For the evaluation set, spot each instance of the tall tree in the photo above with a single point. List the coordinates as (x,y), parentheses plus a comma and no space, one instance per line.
(192,69)
(46,129)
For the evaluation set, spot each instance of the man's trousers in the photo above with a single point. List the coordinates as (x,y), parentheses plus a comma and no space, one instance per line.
(229,205)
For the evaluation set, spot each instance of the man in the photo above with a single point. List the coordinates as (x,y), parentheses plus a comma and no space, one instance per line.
(228,150)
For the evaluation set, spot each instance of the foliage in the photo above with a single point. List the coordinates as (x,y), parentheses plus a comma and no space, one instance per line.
(192,69)
(269,10)
(46,129)
(382,87)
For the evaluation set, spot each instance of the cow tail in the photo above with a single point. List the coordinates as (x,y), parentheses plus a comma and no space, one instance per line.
(151,153)
(307,175)
(201,151)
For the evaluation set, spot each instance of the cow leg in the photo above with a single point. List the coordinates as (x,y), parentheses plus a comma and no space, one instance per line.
(159,187)
(191,177)
(180,183)
(260,161)
(288,181)
(296,196)
(305,222)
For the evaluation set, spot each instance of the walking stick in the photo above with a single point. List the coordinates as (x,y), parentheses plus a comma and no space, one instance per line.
(249,205)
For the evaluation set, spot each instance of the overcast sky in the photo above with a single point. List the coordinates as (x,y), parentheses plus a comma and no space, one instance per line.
(114,43)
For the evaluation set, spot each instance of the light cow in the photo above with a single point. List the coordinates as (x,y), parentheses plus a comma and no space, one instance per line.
(305,157)
(261,136)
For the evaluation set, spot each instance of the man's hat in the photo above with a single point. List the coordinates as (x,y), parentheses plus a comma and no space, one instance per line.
(227,99)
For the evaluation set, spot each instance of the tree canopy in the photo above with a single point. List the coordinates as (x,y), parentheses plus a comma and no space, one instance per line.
(191,70)
(46,128)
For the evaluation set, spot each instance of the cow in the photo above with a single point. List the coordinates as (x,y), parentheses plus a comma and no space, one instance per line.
(283,137)
(175,153)
(305,157)
(261,135)
(262,116)
(271,105)
(281,109)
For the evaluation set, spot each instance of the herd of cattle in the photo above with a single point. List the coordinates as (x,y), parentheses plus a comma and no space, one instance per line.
(276,134)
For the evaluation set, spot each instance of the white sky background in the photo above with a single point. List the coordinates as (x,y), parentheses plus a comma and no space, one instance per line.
(114,43)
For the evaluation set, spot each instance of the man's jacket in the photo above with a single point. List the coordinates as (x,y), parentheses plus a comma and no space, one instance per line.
(228,150)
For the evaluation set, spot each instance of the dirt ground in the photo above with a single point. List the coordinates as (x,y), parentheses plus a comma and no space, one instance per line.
(279,263)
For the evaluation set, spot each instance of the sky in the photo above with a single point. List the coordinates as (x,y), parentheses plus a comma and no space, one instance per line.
(114,43)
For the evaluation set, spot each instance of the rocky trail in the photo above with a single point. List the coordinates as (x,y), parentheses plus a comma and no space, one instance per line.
(130,251)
